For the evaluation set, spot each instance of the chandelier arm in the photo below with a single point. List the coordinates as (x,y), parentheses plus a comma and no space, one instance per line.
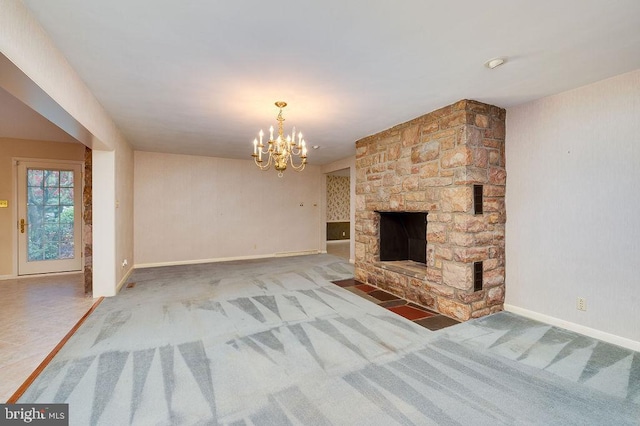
(300,166)
(263,167)
(266,166)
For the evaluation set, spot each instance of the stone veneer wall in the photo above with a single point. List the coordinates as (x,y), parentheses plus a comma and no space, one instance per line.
(430,164)
(87,217)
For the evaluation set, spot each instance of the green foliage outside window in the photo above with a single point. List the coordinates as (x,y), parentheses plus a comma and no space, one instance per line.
(50,212)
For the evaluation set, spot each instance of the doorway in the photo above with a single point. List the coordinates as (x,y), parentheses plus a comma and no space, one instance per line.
(338,211)
(49,217)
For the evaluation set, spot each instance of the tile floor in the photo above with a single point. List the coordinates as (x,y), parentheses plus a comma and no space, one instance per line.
(35,313)
(411,311)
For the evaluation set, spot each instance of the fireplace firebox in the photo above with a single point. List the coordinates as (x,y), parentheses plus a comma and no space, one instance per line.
(403,236)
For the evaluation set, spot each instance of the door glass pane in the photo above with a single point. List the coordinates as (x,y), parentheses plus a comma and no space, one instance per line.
(50,213)
(66,214)
(66,241)
(36,249)
(66,179)
(52,178)
(52,196)
(35,196)
(51,232)
(35,216)
(51,250)
(34,177)
(66,196)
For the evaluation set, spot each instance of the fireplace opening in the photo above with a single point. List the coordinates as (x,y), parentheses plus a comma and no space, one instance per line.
(403,236)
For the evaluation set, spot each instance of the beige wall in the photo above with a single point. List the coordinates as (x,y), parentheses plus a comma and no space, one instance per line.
(573,198)
(189,208)
(124,211)
(10,148)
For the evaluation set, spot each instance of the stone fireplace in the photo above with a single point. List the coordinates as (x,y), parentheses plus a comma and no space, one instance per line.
(430,211)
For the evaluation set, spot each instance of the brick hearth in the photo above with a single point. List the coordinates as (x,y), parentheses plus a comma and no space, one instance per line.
(430,164)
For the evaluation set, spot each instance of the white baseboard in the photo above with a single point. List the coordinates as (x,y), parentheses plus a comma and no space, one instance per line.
(197,261)
(124,280)
(8,277)
(587,331)
(295,253)
(222,259)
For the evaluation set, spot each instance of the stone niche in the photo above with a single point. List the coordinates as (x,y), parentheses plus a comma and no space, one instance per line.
(434,164)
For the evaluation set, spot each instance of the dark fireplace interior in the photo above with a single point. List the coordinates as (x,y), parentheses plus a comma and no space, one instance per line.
(403,236)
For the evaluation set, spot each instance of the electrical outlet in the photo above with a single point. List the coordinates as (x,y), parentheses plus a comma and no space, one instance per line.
(581,305)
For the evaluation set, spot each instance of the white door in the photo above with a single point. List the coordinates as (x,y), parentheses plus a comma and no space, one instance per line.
(49,217)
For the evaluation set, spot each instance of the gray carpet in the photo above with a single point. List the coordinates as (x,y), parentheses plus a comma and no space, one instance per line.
(273,342)
(580,359)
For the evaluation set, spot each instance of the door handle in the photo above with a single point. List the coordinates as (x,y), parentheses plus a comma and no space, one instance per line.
(22,224)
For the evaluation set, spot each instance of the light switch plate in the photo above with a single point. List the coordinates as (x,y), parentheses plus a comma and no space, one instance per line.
(4,203)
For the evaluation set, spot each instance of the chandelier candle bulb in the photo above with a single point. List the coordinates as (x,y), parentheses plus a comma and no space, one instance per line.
(255,146)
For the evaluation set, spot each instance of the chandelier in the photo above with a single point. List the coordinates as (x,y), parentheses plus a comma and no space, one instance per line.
(282,149)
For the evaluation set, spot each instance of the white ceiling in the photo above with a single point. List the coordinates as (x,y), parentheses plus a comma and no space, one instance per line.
(201,77)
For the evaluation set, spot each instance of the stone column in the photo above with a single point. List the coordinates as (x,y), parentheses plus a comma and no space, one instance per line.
(87,239)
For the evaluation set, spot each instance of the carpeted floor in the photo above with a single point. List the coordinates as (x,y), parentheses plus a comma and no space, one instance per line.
(577,358)
(273,342)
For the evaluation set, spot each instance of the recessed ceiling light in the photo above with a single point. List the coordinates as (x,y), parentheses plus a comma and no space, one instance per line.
(495,62)
(315,146)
